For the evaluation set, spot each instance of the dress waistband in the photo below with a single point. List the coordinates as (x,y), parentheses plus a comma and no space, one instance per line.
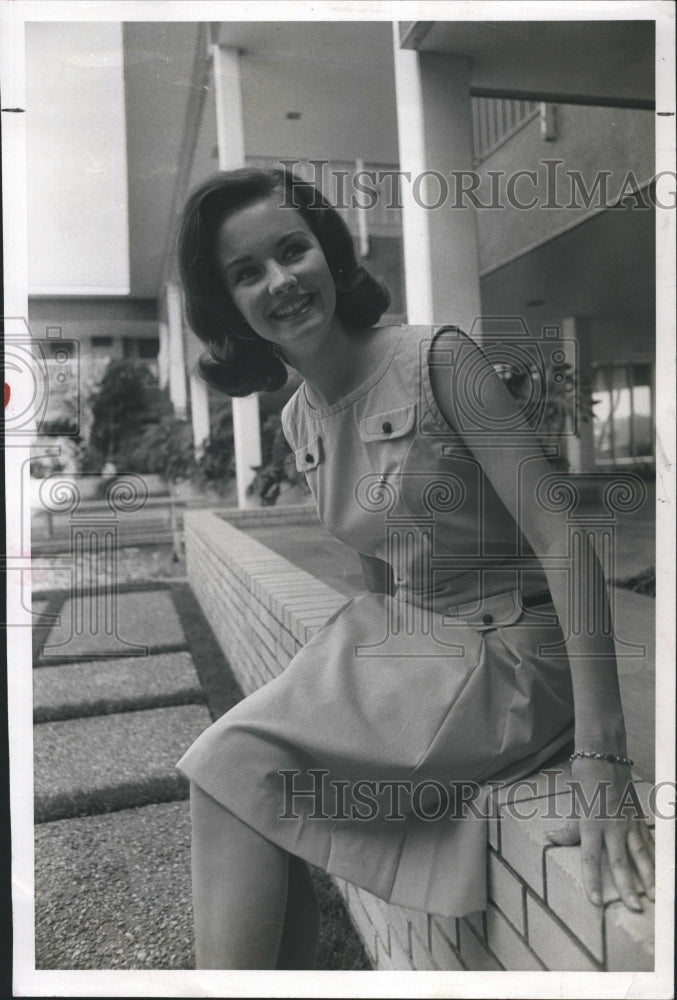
(486,612)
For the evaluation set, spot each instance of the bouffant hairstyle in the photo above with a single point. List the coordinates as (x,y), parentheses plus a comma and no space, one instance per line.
(238,361)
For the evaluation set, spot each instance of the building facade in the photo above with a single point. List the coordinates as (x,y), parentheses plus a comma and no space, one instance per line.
(498,179)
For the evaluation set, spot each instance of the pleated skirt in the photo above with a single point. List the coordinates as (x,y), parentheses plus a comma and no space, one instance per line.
(346,757)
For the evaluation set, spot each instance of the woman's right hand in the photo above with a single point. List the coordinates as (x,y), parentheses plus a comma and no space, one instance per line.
(617,830)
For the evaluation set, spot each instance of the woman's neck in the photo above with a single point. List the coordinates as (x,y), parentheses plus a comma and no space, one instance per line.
(345,360)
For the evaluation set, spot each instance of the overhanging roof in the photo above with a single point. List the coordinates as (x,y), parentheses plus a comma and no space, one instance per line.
(589,62)
(336,78)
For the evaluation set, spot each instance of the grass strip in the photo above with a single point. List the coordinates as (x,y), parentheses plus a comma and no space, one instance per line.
(128,795)
(111,706)
(216,676)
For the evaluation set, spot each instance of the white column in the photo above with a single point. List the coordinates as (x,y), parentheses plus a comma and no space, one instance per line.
(247,438)
(163,356)
(580,448)
(199,409)
(435,135)
(230,138)
(228,98)
(176,354)
(412,152)
(199,393)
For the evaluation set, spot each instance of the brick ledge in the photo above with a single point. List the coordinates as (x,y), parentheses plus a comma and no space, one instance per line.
(262,609)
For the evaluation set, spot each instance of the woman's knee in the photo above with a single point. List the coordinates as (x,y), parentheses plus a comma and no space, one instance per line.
(209,819)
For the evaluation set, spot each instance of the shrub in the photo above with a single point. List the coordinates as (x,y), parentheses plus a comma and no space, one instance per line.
(165,449)
(278,463)
(121,406)
(215,465)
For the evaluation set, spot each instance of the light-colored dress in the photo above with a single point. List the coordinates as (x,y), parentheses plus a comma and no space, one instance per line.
(452,680)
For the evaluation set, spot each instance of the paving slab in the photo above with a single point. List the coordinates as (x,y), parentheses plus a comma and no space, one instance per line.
(109,762)
(113,891)
(142,618)
(100,687)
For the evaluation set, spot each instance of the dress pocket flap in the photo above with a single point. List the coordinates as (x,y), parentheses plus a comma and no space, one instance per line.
(309,456)
(490,613)
(389,425)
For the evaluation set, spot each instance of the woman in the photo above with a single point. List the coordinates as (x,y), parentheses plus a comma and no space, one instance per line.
(368,755)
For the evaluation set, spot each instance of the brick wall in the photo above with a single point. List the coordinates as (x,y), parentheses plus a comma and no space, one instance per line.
(262,610)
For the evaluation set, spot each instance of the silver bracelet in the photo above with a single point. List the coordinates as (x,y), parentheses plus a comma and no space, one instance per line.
(614,758)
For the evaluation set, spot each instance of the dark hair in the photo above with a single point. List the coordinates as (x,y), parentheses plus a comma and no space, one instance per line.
(239,361)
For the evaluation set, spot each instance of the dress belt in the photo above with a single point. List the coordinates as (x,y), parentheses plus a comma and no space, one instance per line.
(485,613)
(537,599)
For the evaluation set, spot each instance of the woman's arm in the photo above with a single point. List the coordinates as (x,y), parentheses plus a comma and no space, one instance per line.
(378,575)
(512,461)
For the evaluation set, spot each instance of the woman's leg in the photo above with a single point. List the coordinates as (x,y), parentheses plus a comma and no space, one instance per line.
(239,890)
(298,948)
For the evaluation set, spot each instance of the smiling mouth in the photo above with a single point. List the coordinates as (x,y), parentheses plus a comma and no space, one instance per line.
(294,308)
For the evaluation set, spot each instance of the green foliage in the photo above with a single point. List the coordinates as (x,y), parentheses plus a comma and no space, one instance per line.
(563,404)
(121,406)
(165,449)
(339,947)
(63,426)
(216,465)
(278,464)
(641,583)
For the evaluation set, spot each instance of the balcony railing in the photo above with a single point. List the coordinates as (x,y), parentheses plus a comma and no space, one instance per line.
(496,119)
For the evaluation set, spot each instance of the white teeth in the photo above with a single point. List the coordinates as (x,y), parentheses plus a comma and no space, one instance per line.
(292,308)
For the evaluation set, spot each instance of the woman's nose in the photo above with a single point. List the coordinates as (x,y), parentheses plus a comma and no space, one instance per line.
(279,278)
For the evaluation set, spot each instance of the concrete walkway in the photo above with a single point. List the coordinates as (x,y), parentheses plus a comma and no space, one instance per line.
(112,835)
(112,846)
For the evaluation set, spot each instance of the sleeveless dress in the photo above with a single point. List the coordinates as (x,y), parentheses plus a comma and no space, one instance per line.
(460,678)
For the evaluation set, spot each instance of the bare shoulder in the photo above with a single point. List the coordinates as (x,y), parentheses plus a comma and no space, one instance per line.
(464,380)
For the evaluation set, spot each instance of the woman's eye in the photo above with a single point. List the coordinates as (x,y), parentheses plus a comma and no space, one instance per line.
(294,250)
(245,273)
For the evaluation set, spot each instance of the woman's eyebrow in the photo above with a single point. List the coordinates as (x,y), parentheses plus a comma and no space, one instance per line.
(293,235)
(236,261)
(283,239)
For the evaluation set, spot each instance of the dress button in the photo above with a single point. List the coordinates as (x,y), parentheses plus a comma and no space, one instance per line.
(386,427)
(309,457)
(487,619)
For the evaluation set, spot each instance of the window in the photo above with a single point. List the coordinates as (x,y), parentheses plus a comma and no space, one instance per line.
(623,416)
(102,343)
(141,347)
(149,347)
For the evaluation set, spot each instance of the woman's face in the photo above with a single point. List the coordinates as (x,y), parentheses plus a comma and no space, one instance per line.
(277,275)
